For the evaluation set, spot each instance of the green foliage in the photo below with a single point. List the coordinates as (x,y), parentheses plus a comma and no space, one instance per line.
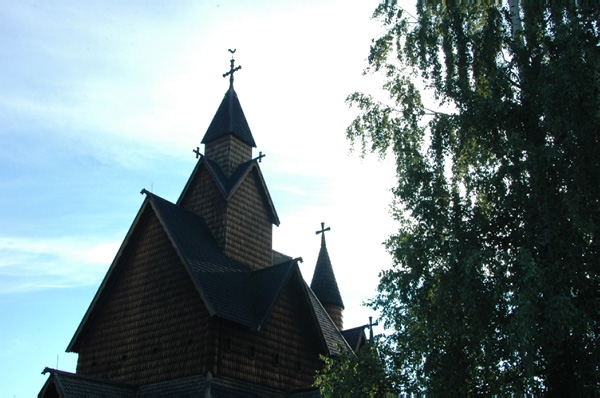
(496,283)
(361,375)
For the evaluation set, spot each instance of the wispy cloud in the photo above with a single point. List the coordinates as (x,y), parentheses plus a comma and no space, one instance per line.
(35,264)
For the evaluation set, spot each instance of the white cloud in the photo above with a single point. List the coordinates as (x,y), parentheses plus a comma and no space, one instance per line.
(34,264)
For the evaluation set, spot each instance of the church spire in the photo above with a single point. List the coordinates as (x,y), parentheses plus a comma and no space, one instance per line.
(324,284)
(228,140)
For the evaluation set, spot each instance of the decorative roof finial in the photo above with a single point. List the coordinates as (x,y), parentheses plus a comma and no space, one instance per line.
(232,70)
(370,326)
(322,231)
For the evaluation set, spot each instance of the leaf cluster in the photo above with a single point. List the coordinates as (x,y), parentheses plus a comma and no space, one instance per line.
(360,374)
(496,283)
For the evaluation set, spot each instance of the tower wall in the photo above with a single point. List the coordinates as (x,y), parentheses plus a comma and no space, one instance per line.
(240,225)
(228,152)
(336,313)
(205,199)
(249,229)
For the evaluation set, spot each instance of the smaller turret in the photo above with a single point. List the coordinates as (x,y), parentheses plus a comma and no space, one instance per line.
(325,286)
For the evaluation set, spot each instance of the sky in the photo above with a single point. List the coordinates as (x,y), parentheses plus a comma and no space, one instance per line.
(100,99)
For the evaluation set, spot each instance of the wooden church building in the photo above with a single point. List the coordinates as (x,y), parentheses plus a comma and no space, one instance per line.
(197,303)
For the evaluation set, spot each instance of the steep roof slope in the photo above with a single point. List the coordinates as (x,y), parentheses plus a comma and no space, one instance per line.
(229,289)
(229,119)
(324,284)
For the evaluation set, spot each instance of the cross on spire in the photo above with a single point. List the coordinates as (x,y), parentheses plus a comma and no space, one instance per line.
(232,69)
(260,156)
(197,152)
(323,229)
(370,326)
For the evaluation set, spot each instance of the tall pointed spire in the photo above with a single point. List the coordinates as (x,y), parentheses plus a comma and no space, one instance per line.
(228,140)
(324,284)
(230,118)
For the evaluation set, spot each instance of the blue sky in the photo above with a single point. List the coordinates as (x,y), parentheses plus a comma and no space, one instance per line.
(101,99)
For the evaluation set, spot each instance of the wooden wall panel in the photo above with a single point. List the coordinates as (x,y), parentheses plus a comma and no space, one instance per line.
(336,313)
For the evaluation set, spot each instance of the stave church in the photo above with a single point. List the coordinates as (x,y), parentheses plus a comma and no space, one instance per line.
(197,303)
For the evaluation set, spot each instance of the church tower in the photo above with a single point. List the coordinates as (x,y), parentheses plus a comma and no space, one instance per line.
(325,286)
(227,188)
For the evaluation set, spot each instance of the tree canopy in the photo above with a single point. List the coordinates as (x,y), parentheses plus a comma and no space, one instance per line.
(492,114)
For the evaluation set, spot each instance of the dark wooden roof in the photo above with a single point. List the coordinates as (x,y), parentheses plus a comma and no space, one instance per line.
(229,119)
(75,385)
(200,386)
(355,337)
(323,282)
(229,289)
(229,186)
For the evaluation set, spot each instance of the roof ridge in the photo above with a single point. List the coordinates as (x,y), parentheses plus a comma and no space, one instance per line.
(290,266)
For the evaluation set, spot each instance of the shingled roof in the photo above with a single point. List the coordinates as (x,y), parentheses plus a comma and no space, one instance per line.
(229,119)
(229,289)
(200,386)
(75,385)
(324,284)
(355,337)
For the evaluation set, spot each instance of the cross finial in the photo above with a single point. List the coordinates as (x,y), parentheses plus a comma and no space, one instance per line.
(323,229)
(370,326)
(232,69)
(260,156)
(197,152)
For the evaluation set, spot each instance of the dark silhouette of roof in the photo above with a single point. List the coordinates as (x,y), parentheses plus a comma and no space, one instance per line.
(229,119)
(355,337)
(77,385)
(324,284)
(229,289)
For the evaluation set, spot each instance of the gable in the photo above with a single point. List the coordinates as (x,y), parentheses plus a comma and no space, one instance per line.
(208,177)
(148,320)
(284,353)
(204,194)
(170,267)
